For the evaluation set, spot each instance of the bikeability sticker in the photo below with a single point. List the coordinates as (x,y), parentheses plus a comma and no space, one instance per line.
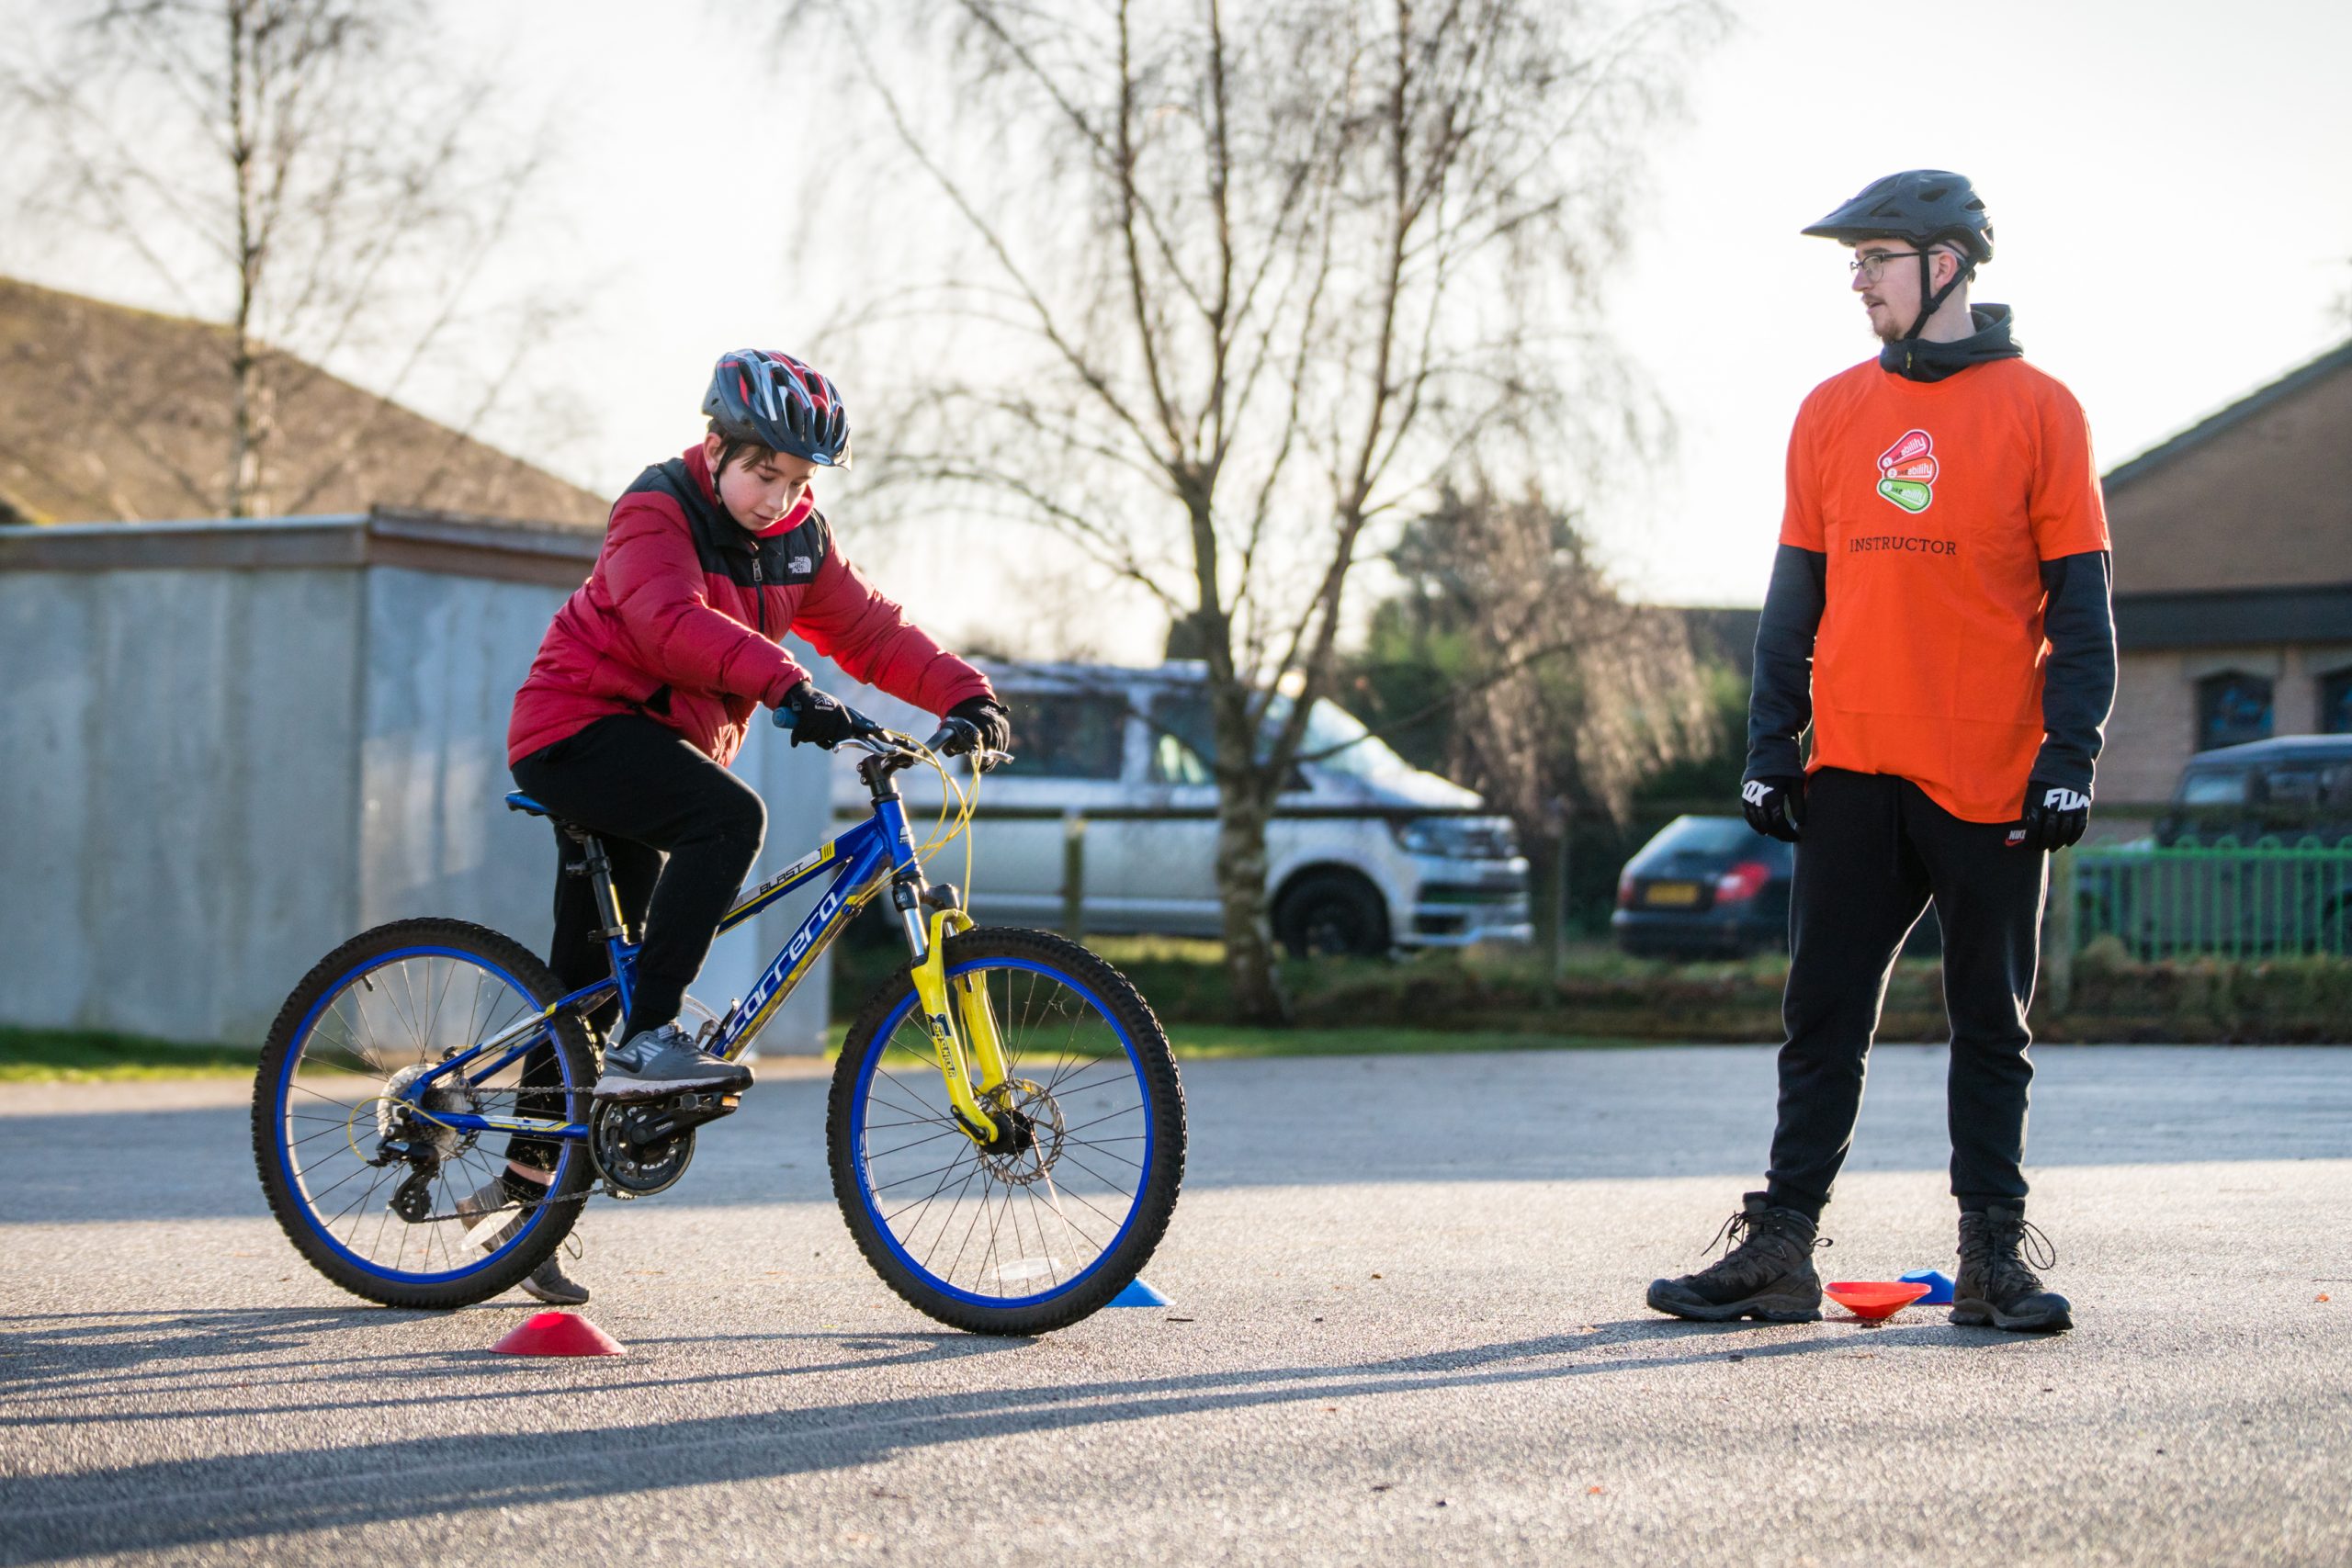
(1906,471)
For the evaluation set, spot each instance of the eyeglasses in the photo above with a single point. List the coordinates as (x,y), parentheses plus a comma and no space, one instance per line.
(1870,265)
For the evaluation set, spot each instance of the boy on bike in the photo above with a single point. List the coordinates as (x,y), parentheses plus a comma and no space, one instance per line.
(644,685)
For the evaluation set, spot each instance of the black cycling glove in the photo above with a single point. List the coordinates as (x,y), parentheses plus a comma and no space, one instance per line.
(989,717)
(2055,815)
(1775,806)
(818,719)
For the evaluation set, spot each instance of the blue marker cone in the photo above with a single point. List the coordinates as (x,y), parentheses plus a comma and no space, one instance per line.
(1137,1295)
(1938,1285)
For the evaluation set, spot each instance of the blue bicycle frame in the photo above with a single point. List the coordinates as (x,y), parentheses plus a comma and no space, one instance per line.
(863,857)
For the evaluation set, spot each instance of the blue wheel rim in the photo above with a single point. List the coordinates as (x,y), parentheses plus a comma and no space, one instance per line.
(282,1147)
(862,1100)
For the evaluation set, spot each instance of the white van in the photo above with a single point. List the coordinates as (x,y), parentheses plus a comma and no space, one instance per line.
(1090,739)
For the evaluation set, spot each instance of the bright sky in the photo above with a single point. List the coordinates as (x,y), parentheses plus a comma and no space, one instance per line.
(2171,189)
(2167,177)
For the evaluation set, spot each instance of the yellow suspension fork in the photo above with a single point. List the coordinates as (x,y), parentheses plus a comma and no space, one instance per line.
(971,1006)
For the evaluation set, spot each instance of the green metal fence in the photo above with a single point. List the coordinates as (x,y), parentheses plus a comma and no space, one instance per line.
(2223,898)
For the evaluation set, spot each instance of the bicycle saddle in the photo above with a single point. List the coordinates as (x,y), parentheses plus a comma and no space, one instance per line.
(518,801)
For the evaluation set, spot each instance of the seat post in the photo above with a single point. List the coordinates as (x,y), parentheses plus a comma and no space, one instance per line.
(598,868)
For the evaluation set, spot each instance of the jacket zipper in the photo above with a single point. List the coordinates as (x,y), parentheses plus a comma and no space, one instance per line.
(759,595)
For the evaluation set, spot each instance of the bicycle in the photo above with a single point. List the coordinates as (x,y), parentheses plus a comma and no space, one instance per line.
(1005,1126)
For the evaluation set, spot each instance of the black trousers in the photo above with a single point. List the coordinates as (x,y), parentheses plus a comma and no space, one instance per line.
(680,832)
(1876,851)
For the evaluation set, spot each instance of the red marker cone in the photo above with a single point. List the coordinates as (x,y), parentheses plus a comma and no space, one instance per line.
(558,1334)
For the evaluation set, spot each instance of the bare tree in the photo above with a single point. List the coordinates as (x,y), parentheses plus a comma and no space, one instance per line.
(302,170)
(1560,687)
(1256,277)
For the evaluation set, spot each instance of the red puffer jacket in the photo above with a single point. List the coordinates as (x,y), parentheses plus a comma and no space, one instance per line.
(681,617)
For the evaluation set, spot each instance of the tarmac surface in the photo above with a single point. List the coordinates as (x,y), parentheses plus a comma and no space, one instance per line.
(1406,1324)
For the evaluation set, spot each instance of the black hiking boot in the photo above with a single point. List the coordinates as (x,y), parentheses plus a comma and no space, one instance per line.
(1995,1288)
(1767,1275)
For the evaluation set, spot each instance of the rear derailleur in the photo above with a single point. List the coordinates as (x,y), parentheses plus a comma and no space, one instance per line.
(642,1147)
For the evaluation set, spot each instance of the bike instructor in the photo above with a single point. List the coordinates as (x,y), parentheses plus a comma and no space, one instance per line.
(1939,616)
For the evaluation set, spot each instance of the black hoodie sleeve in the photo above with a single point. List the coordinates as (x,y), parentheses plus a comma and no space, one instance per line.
(2078,682)
(1779,706)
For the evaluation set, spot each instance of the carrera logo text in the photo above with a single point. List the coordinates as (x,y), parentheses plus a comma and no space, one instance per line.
(790,959)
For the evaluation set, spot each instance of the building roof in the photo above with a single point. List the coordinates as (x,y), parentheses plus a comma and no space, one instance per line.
(109,414)
(498,548)
(2255,496)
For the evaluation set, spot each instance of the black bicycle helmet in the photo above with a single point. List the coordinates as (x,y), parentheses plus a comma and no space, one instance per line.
(1926,206)
(783,405)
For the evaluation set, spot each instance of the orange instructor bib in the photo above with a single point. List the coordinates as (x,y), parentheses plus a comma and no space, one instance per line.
(1936,503)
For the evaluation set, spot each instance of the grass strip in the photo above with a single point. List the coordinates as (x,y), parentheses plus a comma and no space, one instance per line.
(74,1055)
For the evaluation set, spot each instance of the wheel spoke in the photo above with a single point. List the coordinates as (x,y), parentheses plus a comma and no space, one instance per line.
(380,1022)
(1009,1225)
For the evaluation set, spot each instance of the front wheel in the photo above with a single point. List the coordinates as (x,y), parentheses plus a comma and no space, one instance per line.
(1044,1230)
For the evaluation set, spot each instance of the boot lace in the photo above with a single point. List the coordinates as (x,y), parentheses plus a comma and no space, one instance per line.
(2010,1250)
(1745,1238)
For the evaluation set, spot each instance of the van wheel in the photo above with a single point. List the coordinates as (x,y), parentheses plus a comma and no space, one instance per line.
(1332,912)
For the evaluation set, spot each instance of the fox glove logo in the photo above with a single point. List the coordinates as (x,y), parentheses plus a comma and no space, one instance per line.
(1908,471)
(2066,800)
(1754,792)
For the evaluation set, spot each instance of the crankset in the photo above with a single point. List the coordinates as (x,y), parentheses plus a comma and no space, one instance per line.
(643,1148)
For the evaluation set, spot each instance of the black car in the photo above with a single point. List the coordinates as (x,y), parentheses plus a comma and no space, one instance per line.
(2288,788)
(1704,885)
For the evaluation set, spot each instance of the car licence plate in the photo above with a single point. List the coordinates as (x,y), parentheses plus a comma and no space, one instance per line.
(1677,894)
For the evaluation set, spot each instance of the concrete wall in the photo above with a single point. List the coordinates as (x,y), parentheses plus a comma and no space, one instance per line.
(216,772)
(182,749)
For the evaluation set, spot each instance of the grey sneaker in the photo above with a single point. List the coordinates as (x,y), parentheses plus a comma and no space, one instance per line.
(1767,1275)
(657,1063)
(550,1284)
(1995,1287)
(492,1214)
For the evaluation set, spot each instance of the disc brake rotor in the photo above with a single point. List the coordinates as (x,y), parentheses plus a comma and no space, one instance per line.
(1033,1121)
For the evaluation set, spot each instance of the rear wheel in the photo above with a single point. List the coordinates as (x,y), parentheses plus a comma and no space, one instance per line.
(367,1184)
(1332,912)
(1044,1230)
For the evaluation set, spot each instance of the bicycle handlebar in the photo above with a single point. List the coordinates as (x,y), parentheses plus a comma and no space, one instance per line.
(904,750)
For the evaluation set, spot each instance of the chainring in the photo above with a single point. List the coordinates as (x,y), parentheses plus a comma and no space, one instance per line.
(630,1171)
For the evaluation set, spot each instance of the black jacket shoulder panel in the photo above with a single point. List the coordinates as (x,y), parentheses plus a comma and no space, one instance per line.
(794,556)
(726,550)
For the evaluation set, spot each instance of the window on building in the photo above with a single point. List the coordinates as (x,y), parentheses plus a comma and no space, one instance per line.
(2335,703)
(2233,707)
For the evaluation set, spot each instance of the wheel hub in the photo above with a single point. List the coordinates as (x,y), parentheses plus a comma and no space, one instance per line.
(1029,1131)
(396,1112)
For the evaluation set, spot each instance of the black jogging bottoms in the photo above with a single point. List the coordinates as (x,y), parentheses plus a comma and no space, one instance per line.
(1876,851)
(680,832)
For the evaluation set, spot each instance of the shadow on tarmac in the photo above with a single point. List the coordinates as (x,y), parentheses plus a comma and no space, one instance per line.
(184,1502)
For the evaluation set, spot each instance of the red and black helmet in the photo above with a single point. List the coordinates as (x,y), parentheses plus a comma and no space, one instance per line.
(783,405)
